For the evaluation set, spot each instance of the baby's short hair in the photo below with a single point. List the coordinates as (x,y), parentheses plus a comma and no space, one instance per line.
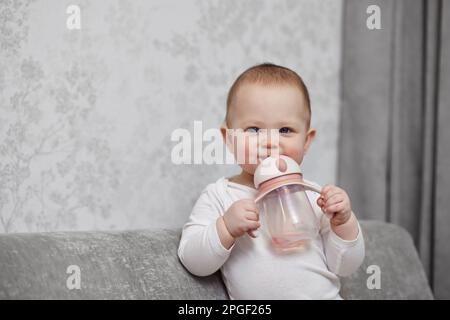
(269,74)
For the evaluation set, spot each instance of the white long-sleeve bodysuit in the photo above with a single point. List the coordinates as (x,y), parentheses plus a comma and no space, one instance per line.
(251,268)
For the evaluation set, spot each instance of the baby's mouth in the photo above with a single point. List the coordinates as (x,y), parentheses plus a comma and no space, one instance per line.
(265,156)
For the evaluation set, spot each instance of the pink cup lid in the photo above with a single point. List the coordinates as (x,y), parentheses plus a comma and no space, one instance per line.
(289,179)
(273,172)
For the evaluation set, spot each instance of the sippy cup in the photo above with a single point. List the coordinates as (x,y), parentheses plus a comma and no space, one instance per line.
(286,212)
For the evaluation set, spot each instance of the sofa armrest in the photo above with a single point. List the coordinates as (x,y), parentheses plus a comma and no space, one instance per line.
(402,276)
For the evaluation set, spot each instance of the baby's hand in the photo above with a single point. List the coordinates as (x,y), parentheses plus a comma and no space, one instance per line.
(335,202)
(241,217)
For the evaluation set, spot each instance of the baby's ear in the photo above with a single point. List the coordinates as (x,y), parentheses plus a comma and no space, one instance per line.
(227,137)
(223,130)
(310,135)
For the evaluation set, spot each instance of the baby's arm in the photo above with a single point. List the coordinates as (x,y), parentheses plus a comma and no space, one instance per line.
(342,236)
(343,256)
(200,249)
(209,235)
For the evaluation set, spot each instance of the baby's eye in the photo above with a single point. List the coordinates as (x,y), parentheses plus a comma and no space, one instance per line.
(252,130)
(285,130)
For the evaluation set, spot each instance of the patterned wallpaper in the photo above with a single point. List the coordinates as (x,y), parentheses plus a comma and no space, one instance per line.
(86,115)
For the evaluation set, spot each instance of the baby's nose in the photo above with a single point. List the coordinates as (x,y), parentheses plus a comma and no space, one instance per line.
(269,138)
(269,150)
(268,144)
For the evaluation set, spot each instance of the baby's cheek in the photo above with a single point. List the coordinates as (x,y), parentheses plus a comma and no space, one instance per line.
(292,147)
(297,155)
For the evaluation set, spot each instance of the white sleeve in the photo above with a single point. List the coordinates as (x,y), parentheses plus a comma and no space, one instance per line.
(343,256)
(200,249)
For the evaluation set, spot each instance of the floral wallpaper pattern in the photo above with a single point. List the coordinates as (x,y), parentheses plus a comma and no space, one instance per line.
(86,115)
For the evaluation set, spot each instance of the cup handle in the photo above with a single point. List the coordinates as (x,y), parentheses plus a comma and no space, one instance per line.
(317,190)
(312,188)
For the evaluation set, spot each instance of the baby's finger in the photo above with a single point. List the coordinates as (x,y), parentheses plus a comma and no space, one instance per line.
(320,202)
(326,188)
(253,233)
(335,198)
(327,192)
(335,207)
(251,206)
(252,215)
(253,225)
(331,193)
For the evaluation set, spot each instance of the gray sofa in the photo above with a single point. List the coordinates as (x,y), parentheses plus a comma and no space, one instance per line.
(143,264)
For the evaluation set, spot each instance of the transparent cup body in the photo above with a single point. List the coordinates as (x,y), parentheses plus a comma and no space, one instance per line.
(288,217)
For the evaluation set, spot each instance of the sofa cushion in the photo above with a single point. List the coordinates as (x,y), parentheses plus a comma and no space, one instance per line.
(139,264)
(143,264)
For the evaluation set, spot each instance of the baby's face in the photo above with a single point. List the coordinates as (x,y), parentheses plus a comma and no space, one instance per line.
(257,109)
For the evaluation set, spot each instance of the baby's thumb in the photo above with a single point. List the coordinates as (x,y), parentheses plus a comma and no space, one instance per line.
(253,233)
(320,202)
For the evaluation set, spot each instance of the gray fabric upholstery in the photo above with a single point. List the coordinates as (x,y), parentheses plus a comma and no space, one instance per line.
(402,275)
(143,264)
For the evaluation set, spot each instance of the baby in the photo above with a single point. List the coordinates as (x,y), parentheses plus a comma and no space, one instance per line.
(222,229)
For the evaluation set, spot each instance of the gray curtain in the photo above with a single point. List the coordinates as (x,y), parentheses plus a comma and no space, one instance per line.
(394,157)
